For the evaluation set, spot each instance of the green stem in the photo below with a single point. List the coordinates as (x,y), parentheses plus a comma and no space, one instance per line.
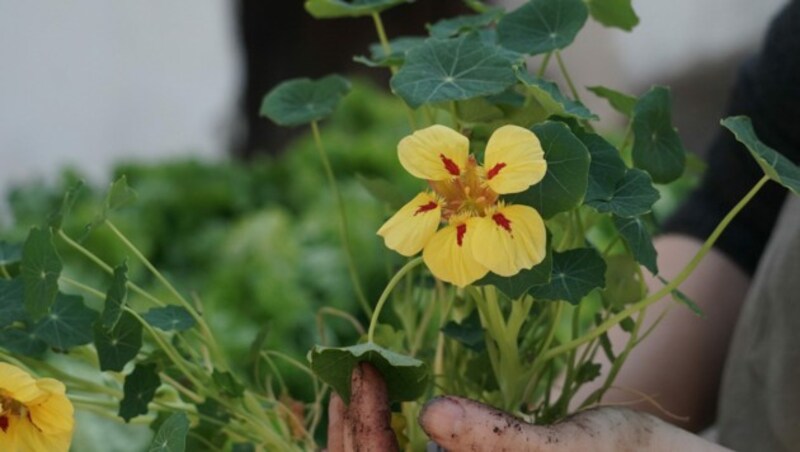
(107,268)
(326,310)
(351,265)
(543,66)
(536,370)
(4,272)
(564,71)
(387,48)
(206,331)
(173,355)
(385,295)
(83,287)
(676,282)
(597,395)
(454,115)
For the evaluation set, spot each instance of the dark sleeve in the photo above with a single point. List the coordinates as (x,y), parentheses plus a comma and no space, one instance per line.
(768,91)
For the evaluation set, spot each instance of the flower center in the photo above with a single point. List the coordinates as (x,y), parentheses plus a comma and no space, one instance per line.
(465,193)
(9,407)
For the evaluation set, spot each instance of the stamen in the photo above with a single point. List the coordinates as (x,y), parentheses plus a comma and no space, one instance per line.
(502,221)
(450,165)
(494,170)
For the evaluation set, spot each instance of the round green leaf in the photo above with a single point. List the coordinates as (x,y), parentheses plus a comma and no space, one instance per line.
(614,13)
(452,69)
(118,345)
(777,167)
(23,341)
(170,318)
(606,168)
(40,268)
(541,26)
(633,195)
(635,234)
(406,377)
(12,307)
(575,273)
(171,436)
(564,184)
(68,324)
(138,391)
(301,101)
(331,9)
(657,148)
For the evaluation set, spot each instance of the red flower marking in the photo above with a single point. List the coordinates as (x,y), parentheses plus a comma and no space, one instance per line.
(450,165)
(461,229)
(4,423)
(502,221)
(427,207)
(494,170)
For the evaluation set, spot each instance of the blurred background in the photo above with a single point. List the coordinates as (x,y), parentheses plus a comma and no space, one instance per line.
(235,209)
(91,82)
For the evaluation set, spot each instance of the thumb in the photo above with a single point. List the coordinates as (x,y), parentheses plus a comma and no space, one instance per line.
(462,424)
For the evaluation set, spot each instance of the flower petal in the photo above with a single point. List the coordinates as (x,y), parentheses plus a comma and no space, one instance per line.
(514,160)
(434,153)
(448,255)
(412,226)
(30,439)
(18,384)
(55,413)
(510,239)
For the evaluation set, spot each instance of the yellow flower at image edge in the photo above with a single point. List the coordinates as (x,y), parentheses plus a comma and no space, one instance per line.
(35,415)
(480,232)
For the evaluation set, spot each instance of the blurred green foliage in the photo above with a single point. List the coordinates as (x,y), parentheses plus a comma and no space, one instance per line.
(256,241)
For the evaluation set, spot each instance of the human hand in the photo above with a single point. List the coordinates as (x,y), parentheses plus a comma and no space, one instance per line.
(461,424)
(364,425)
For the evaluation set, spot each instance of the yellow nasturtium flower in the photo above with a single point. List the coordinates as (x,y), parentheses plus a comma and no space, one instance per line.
(480,232)
(35,415)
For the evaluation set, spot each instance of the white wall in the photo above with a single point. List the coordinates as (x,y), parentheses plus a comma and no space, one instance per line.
(89,82)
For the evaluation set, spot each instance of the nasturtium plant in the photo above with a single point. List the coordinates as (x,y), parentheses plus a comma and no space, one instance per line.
(528,240)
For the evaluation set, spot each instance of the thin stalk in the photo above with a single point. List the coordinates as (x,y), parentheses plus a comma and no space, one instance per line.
(4,272)
(326,310)
(83,287)
(536,371)
(597,395)
(181,388)
(422,327)
(351,265)
(543,66)
(168,349)
(107,268)
(387,50)
(675,283)
(564,71)
(385,295)
(206,331)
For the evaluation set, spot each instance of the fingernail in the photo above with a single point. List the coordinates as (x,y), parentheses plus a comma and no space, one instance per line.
(442,418)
